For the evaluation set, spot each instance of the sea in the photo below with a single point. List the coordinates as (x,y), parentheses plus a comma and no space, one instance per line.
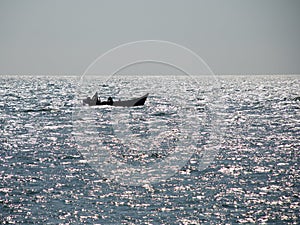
(202,150)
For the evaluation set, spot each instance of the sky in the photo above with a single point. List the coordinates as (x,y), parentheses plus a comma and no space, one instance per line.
(231,36)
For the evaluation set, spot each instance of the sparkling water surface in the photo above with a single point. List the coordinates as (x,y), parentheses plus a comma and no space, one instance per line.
(254,178)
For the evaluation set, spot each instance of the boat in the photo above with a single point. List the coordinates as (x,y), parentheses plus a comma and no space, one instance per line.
(127,103)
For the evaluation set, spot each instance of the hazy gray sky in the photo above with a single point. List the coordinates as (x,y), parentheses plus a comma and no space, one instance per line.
(233,36)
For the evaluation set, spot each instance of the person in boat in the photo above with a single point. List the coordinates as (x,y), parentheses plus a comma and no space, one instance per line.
(110,101)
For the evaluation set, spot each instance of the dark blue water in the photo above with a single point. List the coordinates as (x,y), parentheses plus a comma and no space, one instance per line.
(253,178)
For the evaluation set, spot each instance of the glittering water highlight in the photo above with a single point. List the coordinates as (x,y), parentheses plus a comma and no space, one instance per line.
(254,178)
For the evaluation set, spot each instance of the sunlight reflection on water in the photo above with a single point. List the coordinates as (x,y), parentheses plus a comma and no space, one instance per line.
(255,177)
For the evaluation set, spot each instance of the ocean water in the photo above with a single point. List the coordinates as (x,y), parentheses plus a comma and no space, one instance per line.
(232,144)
